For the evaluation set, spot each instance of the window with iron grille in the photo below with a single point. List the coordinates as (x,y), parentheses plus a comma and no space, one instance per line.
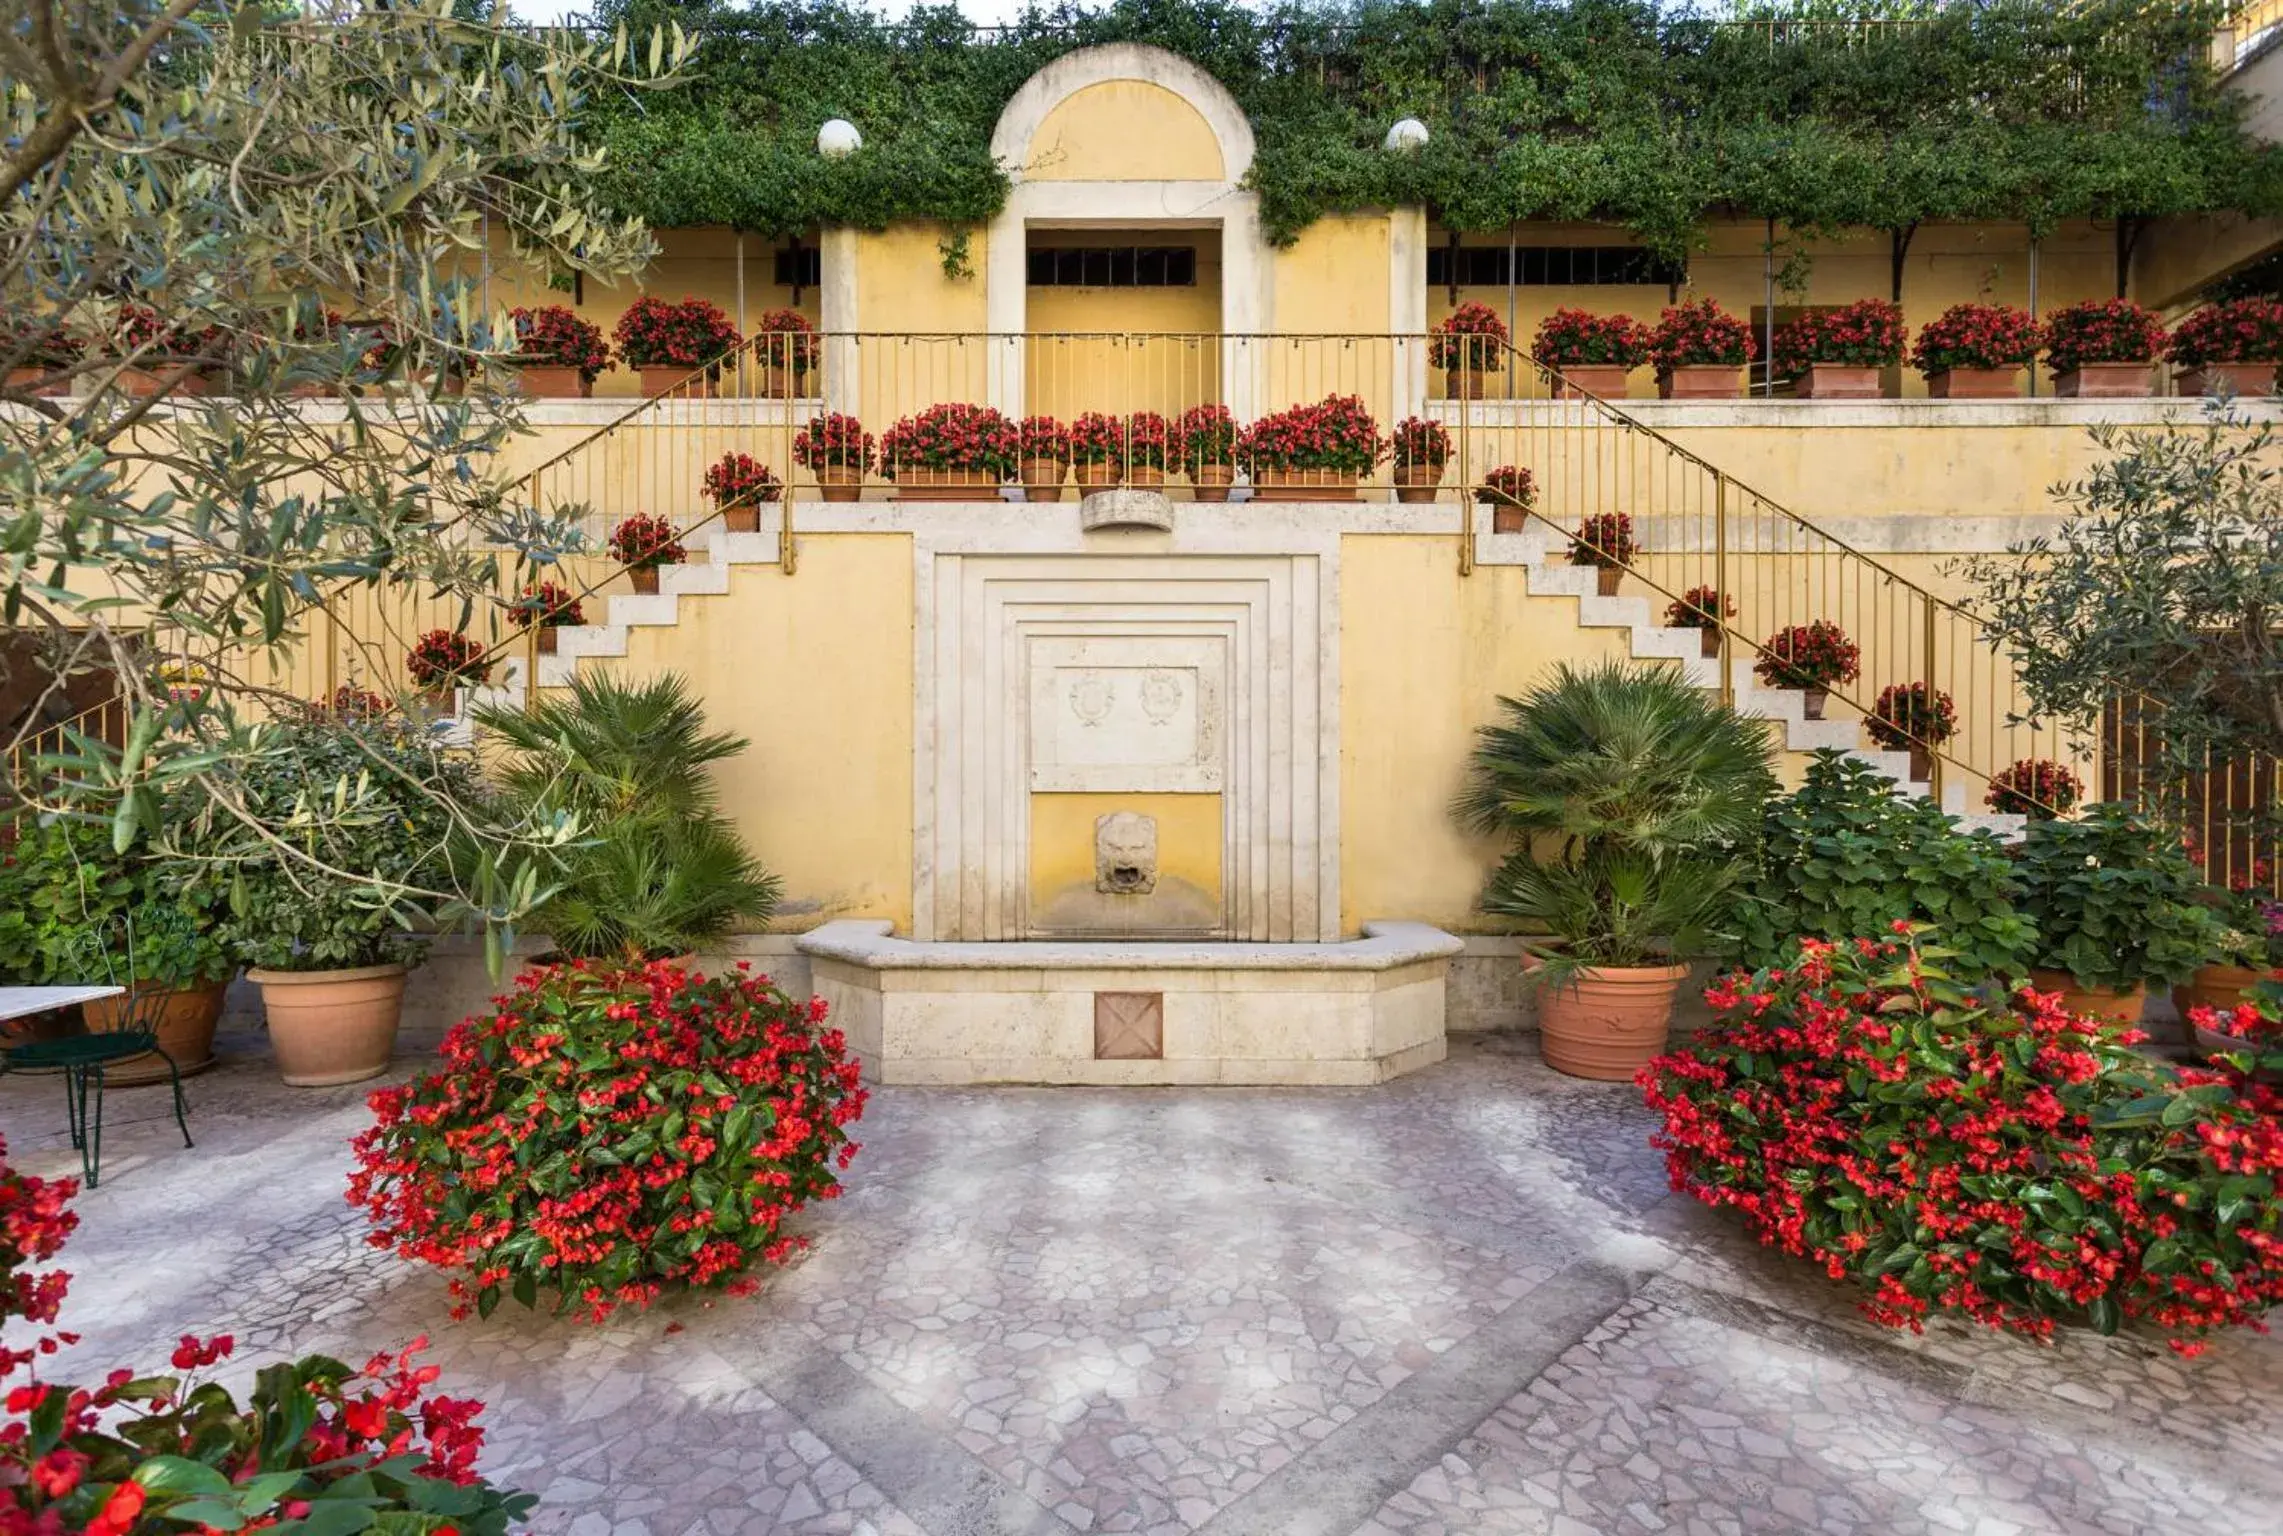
(802,267)
(1546,266)
(1114,266)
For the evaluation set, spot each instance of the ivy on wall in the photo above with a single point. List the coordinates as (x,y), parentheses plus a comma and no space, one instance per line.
(1818,115)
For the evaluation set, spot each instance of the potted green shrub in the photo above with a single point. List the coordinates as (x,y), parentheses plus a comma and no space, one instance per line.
(1628,796)
(147,923)
(2115,900)
(324,910)
(658,872)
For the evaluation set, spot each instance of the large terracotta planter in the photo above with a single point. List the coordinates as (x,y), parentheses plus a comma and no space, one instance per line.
(1833,381)
(1608,1021)
(2240,379)
(2117,1007)
(1098,476)
(1416,483)
(1974,384)
(1042,479)
(1212,481)
(1701,381)
(546,382)
(2102,381)
(183,1018)
(1604,381)
(332,1027)
(1305,484)
(668,381)
(840,482)
(1464,383)
(2218,987)
(916,483)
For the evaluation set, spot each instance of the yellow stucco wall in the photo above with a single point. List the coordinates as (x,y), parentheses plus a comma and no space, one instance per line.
(1063,872)
(1124,130)
(1084,371)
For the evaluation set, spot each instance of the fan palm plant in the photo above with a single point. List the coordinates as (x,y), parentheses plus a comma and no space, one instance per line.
(657,870)
(1631,794)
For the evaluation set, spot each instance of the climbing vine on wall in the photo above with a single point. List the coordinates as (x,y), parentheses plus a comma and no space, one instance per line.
(1820,115)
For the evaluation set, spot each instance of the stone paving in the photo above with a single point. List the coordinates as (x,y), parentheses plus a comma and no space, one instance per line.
(1463,1302)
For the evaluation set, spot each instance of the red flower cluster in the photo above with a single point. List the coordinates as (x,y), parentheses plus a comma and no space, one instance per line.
(738,480)
(1569,337)
(1865,334)
(554,337)
(692,334)
(349,702)
(1098,439)
(953,436)
(1871,1114)
(2239,331)
(1911,715)
(1472,337)
(834,441)
(1699,333)
(1808,656)
(1336,435)
(1207,434)
(787,340)
(1604,540)
(1699,608)
(1419,441)
(643,541)
(2037,787)
(1044,438)
(605,1133)
(445,656)
(140,329)
(2101,331)
(549,604)
(1977,336)
(315,1442)
(1149,441)
(1512,484)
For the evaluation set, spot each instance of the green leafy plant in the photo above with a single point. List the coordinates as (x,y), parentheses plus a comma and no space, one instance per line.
(657,871)
(89,913)
(1869,1107)
(1848,855)
(2115,899)
(606,1134)
(1630,795)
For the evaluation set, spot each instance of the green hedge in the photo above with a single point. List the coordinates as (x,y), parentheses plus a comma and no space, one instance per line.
(1605,110)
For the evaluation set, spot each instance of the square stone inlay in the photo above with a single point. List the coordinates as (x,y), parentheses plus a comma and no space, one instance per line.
(1129,1026)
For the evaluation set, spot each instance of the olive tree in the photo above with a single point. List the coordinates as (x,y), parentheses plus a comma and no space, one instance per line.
(210,209)
(2161,591)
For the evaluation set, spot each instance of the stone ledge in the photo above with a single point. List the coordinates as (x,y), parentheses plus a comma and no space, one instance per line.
(1383,947)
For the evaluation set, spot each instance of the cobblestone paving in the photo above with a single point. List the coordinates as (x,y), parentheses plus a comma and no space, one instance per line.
(1465,1302)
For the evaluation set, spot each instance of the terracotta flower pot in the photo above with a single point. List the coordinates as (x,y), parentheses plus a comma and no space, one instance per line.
(1146,477)
(2102,381)
(1921,764)
(2118,1007)
(1465,383)
(1212,481)
(1604,381)
(1505,516)
(741,517)
(1709,642)
(1042,479)
(1974,384)
(546,639)
(2217,986)
(916,483)
(1416,483)
(1836,381)
(1701,381)
(1306,484)
(331,1027)
(1095,477)
(183,1018)
(840,482)
(1608,1021)
(546,382)
(779,382)
(669,381)
(29,379)
(1812,701)
(1607,579)
(645,579)
(2240,379)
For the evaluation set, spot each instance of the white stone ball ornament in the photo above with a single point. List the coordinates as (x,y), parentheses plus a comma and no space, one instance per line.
(1408,136)
(838,139)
